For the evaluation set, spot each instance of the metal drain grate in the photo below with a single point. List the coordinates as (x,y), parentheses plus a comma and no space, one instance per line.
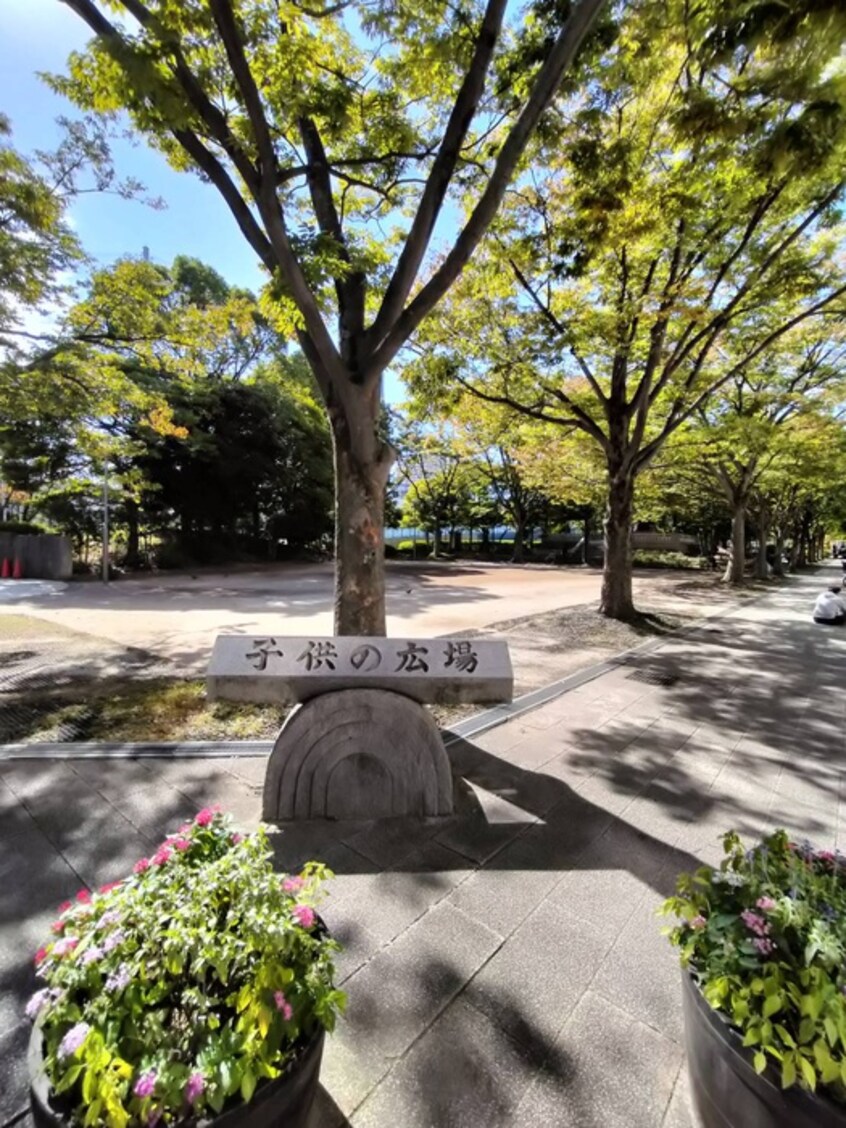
(653,677)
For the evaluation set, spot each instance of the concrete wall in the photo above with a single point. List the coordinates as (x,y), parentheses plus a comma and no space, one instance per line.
(43,557)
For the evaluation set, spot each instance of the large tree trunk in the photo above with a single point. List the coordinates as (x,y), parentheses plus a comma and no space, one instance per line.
(517,554)
(616,599)
(437,542)
(778,560)
(737,559)
(761,568)
(362,462)
(586,541)
(133,553)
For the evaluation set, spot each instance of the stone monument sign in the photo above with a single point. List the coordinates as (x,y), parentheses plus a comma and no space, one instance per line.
(359,744)
(433,671)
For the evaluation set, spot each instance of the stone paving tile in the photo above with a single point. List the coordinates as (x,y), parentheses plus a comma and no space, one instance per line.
(387,842)
(398,994)
(680,1109)
(251,769)
(113,778)
(580,813)
(570,765)
(502,895)
(804,821)
(32,780)
(478,837)
(531,985)
(156,810)
(610,880)
(463,1072)
(505,736)
(640,973)
(394,900)
(610,1071)
(14,1083)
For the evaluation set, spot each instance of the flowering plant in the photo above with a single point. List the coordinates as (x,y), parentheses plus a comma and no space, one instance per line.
(186,985)
(764,937)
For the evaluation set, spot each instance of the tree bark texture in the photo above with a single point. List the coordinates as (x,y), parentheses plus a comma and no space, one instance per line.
(517,553)
(737,558)
(616,600)
(362,462)
(761,569)
(133,553)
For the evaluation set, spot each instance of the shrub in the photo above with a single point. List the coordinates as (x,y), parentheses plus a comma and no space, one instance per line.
(764,937)
(409,546)
(188,983)
(22,528)
(645,558)
(170,555)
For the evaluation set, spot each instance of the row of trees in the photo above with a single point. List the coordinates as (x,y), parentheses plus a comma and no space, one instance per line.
(172,386)
(648,221)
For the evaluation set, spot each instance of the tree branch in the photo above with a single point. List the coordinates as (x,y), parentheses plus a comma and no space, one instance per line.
(557,325)
(440,174)
(266,198)
(548,79)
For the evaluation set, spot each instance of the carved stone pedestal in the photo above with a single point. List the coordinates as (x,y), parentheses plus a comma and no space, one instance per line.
(357,753)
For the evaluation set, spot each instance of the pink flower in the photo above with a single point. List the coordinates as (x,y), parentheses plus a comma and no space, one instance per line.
(826,855)
(764,946)
(58,925)
(205,817)
(304,916)
(83,896)
(162,855)
(65,945)
(698,922)
(293,884)
(141,865)
(236,838)
(766,904)
(283,1005)
(194,1087)
(181,844)
(65,906)
(145,1086)
(40,955)
(754,922)
(110,886)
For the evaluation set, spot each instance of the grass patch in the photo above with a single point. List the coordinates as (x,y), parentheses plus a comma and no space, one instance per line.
(15,627)
(124,709)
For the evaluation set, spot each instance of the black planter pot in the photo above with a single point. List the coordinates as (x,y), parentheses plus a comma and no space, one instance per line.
(287,1100)
(726,1090)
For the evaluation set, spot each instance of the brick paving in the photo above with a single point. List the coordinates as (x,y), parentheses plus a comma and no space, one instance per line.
(504,966)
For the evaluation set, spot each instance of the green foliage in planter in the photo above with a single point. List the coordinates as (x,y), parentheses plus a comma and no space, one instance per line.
(764,936)
(187,984)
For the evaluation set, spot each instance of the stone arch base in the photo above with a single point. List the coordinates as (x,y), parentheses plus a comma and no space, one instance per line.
(357,753)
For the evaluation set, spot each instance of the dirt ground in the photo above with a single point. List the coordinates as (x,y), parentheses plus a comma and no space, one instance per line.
(58,684)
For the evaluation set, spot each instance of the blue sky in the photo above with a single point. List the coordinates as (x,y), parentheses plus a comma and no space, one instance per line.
(37,35)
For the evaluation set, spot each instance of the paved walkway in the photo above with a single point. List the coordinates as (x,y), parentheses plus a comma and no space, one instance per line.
(504,966)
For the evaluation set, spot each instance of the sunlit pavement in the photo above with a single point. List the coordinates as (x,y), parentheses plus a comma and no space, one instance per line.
(504,966)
